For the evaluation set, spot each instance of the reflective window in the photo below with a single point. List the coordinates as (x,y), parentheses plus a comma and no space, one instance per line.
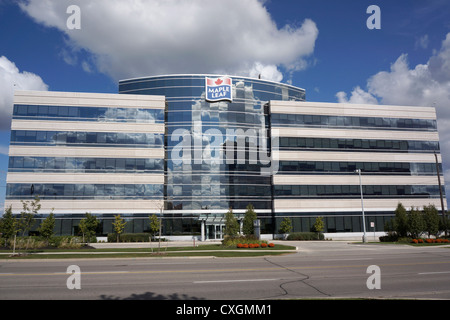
(112,114)
(404,168)
(86,138)
(84,191)
(289,143)
(353,191)
(51,164)
(354,122)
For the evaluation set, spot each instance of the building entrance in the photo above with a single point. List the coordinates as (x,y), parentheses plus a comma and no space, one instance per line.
(214,231)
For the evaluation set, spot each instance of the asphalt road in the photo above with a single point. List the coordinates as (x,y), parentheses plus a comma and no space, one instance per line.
(318,270)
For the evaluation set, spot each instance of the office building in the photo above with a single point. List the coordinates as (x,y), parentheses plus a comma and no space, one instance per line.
(191,147)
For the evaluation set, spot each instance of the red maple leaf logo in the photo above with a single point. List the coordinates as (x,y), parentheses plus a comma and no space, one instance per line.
(218,81)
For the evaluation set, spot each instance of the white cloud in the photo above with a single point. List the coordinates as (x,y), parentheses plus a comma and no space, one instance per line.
(149,37)
(358,96)
(424,85)
(4,150)
(12,79)
(422,42)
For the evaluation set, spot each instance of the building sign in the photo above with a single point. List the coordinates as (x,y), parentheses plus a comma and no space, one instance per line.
(218,89)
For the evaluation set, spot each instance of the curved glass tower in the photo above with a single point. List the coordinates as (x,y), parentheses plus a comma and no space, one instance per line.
(215,151)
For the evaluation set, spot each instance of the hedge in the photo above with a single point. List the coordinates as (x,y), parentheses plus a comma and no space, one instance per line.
(129,237)
(303,236)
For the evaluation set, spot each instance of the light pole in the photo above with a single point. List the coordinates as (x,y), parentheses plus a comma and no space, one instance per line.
(440,192)
(161,212)
(358,171)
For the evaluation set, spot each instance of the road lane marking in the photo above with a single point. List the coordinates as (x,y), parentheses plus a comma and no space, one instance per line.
(349,259)
(436,272)
(229,281)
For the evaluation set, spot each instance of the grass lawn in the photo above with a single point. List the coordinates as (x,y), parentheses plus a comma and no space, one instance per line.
(215,250)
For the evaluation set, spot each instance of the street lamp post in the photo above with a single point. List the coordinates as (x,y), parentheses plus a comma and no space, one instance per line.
(161,211)
(358,171)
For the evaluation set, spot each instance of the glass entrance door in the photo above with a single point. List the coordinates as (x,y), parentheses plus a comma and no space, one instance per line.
(214,231)
(219,228)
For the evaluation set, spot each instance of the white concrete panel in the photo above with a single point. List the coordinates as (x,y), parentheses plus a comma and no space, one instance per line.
(86,152)
(89,99)
(93,206)
(353,179)
(347,109)
(87,126)
(82,178)
(355,134)
(339,205)
(357,156)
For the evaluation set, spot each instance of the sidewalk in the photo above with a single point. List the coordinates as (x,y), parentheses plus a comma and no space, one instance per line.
(155,244)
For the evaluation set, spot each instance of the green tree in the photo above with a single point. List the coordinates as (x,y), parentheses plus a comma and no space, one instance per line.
(46,229)
(154,224)
(431,219)
(88,225)
(249,217)
(444,224)
(231,224)
(30,209)
(416,223)
(118,225)
(318,226)
(286,225)
(9,225)
(400,222)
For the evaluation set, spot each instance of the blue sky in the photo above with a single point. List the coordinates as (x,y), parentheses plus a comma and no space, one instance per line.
(323,46)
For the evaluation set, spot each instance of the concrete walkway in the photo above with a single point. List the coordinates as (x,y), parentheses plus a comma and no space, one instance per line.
(164,244)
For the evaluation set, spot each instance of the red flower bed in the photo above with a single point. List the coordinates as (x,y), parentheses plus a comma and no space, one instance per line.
(255,245)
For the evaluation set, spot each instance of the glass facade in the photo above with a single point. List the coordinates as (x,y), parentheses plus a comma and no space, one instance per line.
(195,188)
(209,185)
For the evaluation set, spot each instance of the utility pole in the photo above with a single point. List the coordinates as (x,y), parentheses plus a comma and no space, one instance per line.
(358,171)
(161,211)
(440,192)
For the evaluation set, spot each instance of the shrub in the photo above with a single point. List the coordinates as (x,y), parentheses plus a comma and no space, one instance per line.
(303,236)
(129,237)
(28,243)
(391,237)
(271,245)
(263,245)
(234,241)
(404,240)
(69,242)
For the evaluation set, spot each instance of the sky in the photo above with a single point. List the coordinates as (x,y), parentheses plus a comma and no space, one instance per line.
(327,47)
